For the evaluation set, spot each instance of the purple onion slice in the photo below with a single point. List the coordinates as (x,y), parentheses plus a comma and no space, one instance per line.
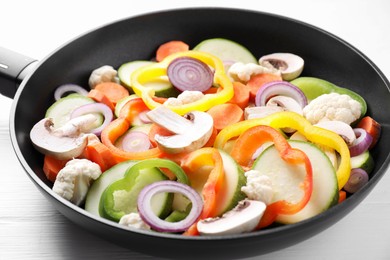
(136,141)
(187,73)
(150,218)
(61,90)
(99,108)
(356,181)
(362,142)
(279,88)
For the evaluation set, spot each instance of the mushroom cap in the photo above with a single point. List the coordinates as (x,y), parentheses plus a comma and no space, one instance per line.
(243,218)
(192,131)
(49,143)
(290,65)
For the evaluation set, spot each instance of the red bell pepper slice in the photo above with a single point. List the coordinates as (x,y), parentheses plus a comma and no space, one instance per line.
(243,150)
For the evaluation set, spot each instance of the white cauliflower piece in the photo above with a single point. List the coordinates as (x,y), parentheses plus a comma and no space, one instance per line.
(258,187)
(105,73)
(134,220)
(74,180)
(186,97)
(172,101)
(333,106)
(243,72)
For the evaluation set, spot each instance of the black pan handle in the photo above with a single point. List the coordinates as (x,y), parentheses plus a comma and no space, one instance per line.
(14,67)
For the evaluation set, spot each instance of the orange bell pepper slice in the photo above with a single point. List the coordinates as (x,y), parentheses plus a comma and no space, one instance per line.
(200,163)
(247,144)
(119,126)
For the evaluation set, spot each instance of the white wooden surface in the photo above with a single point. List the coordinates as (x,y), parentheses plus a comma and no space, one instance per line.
(31,229)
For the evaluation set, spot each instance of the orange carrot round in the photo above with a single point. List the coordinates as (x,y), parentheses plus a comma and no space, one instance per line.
(372,127)
(169,48)
(51,167)
(113,91)
(226,114)
(100,97)
(98,153)
(241,95)
(258,80)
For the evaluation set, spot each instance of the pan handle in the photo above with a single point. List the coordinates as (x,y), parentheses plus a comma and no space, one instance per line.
(14,67)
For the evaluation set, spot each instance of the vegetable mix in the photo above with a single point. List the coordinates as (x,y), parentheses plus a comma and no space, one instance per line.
(200,141)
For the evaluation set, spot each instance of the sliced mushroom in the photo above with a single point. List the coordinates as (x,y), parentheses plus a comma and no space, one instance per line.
(341,128)
(287,103)
(261,111)
(290,65)
(63,143)
(243,218)
(191,131)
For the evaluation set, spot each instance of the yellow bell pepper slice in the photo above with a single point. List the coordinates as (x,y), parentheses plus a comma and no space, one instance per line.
(293,120)
(159,70)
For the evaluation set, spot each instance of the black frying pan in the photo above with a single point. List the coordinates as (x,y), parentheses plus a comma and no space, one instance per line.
(326,56)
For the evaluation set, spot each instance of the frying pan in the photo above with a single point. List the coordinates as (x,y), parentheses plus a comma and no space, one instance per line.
(326,56)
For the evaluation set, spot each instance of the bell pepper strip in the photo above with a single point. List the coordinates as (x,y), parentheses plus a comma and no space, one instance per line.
(195,165)
(119,126)
(159,70)
(163,164)
(116,129)
(107,204)
(293,120)
(247,144)
(132,108)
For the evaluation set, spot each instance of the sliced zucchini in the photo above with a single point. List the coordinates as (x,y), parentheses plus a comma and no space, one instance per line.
(126,69)
(364,161)
(286,178)
(226,50)
(234,180)
(61,110)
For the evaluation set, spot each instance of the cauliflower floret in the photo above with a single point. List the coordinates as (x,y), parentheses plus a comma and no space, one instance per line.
(243,72)
(258,187)
(105,73)
(186,97)
(333,106)
(73,181)
(134,220)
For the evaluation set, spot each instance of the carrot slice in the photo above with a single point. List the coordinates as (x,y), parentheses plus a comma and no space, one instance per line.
(342,196)
(372,127)
(226,114)
(241,95)
(113,91)
(98,153)
(100,97)
(169,48)
(258,80)
(51,167)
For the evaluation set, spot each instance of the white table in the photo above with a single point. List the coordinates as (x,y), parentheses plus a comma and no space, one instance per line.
(30,228)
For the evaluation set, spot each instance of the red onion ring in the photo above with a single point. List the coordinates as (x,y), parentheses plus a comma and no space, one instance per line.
(282,88)
(147,214)
(136,141)
(356,181)
(187,73)
(94,108)
(61,90)
(144,118)
(362,142)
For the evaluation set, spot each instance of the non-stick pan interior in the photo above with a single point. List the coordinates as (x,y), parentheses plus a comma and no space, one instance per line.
(137,38)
